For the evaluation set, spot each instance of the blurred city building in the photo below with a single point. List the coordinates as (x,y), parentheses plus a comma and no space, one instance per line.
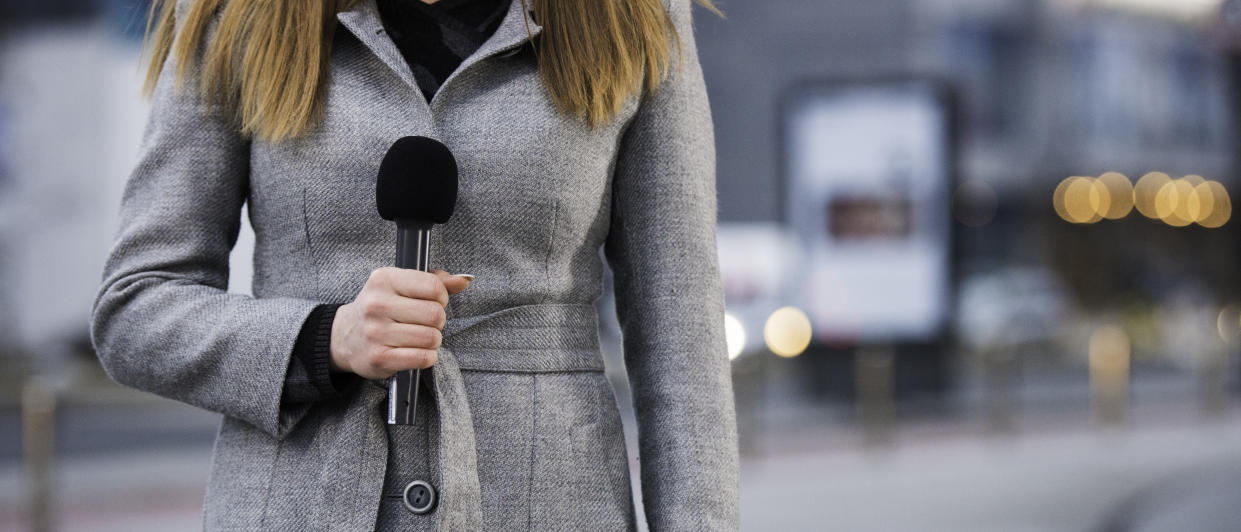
(1040,91)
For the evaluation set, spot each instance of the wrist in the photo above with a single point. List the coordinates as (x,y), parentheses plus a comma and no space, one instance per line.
(336,359)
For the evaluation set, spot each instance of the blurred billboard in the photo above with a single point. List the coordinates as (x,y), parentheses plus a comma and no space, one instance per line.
(868,177)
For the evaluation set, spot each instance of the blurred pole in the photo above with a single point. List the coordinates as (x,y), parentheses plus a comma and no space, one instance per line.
(1109,375)
(38,449)
(749,376)
(1213,381)
(999,381)
(875,387)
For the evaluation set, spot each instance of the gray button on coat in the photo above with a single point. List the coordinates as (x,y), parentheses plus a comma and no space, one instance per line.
(528,435)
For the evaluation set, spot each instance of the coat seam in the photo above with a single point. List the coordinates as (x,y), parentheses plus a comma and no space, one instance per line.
(271,473)
(551,246)
(534,445)
(359,479)
(310,249)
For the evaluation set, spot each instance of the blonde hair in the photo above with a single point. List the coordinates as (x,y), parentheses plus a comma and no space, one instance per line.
(267,61)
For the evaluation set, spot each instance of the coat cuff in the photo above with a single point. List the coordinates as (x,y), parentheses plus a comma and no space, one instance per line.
(310,377)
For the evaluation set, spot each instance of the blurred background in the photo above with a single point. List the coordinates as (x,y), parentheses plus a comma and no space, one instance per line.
(978,259)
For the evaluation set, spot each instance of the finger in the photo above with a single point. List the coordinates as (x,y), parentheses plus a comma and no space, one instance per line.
(387,306)
(418,285)
(407,335)
(403,358)
(406,310)
(454,283)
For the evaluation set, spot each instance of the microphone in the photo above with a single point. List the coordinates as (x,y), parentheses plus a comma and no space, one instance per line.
(417,188)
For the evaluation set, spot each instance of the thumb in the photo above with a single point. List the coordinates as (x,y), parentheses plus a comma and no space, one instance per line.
(454,283)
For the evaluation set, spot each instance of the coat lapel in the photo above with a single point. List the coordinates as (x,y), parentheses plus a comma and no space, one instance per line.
(364,22)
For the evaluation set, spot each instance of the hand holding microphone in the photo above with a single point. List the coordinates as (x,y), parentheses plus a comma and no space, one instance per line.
(394,323)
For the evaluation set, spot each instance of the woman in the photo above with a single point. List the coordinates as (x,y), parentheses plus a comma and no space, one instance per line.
(577,126)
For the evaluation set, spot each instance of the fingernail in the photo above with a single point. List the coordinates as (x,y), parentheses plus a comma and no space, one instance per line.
(467,277)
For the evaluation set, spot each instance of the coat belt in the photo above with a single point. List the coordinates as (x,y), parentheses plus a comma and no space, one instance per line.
(536,338)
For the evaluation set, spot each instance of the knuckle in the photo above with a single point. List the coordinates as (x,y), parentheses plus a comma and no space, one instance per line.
(441,291)
(378,361)
(371,331)
(374,307)
(395,360)
(430,284)
(440,316)
(417,358)
(426,357)
(421,337)
(426,282)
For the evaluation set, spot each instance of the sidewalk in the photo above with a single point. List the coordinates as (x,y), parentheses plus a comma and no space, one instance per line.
(938,480)
(935,476)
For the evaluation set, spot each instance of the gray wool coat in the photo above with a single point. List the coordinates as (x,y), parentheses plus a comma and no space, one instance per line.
(528,435)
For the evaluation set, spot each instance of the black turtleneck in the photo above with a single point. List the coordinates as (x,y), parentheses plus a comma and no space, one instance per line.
(436,38)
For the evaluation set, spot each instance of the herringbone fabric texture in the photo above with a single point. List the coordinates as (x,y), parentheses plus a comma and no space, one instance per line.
(523,432)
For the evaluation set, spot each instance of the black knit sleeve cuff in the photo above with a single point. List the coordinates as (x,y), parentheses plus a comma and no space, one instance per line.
(313,353)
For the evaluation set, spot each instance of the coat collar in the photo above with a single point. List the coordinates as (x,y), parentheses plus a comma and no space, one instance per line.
(364,22)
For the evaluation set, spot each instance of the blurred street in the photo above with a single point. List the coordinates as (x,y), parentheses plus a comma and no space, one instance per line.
(132,462)
(1051,475)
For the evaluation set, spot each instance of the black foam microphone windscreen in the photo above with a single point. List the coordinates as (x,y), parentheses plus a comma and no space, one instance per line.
(417,180)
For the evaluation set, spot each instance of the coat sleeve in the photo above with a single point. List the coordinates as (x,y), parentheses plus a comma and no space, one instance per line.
(162,320)
(661,248)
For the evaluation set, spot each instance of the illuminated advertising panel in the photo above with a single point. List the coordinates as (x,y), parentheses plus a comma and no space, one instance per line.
(868,173)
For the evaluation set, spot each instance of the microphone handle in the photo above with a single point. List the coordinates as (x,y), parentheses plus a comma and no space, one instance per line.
(413,252)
